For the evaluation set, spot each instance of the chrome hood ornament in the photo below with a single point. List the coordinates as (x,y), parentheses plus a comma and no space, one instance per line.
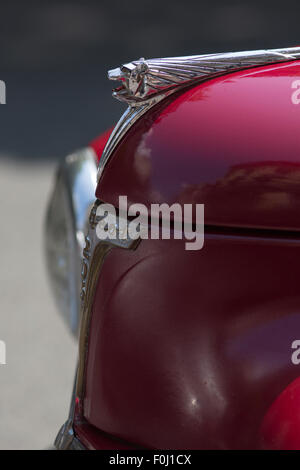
(142,79)
(144,83)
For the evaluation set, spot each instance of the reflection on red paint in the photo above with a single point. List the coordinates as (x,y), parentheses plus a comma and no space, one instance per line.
(281,426)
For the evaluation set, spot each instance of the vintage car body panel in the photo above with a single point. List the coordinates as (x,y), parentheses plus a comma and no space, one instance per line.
(189,350)
(231,143)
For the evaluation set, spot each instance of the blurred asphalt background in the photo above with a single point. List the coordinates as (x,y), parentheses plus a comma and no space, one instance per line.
(53,57)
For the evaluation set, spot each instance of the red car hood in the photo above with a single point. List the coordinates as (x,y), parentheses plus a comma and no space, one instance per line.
(231,143)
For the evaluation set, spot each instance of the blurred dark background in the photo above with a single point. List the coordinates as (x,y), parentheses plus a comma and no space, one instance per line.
(54,56)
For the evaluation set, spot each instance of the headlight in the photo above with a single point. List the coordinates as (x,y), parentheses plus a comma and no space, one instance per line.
(73,195)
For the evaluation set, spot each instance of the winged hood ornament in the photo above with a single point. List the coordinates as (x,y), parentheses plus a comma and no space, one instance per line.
(146,82)
(142,79)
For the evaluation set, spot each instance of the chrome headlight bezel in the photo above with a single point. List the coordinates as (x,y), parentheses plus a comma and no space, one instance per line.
(66,218)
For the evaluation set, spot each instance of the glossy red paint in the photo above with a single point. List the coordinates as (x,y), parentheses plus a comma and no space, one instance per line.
(231,143)
(281,425)
(93,439)
(189,349)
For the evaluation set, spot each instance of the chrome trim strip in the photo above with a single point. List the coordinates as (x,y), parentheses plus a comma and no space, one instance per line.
(66,440)
(93,257)
(66,437)
(130,116)
(147,82)
(77,445)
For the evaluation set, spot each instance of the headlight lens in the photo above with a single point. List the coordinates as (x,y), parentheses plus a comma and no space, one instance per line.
(64,230)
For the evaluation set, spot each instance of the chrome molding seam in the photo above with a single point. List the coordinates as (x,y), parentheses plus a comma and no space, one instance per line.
(146,82)
(66,439)
(94,254)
